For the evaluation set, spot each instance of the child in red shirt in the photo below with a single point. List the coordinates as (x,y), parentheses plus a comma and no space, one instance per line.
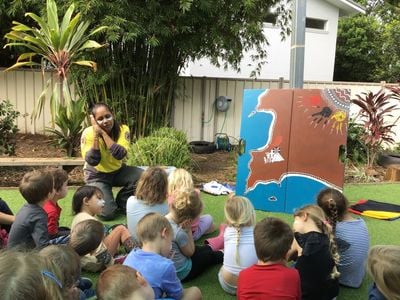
(270,278)
(51,206)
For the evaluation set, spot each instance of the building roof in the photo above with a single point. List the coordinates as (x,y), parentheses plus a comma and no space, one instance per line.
(347,7)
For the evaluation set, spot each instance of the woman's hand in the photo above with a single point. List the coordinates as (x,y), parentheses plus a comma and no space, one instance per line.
(96,127)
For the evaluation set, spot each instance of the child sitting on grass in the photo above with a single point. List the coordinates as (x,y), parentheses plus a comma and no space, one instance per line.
(87,202)
(351,236)
(29,229)
(26,275)
(87,240)
(51,206)
(190,260)
(238,241)
(6,219)
(123,283)
(151,196)
(68,261)
(155,233)
(383,266)
(270,278)
(181,180)
(317,254)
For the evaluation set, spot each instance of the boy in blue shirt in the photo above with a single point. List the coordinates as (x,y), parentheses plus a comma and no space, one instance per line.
(155,233)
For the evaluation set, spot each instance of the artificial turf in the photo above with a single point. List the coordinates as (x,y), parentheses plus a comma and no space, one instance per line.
(381,232)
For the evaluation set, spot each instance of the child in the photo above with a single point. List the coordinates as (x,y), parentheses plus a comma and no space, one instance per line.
(180,179)
(6,219)
(68,261)
(29,229)
(86,204)
(151,196)
(239,251)
(317,254)
(351,236)
(6,216)
(26,275)
(51,206)
(124,283)
(270,278)
(190,260)
(383,266)
(155,233)
(87,240)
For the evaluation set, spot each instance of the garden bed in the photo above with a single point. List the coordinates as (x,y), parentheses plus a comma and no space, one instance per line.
(219,166)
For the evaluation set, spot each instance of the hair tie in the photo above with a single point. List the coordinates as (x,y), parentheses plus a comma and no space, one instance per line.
(53,277)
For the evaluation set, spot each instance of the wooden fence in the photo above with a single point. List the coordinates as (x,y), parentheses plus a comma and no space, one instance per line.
(194,105)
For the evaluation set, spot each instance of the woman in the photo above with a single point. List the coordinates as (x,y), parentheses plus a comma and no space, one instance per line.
(104,146)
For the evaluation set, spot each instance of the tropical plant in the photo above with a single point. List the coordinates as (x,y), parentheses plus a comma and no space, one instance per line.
(375,108)
(69,128)
(164,147)
(59,46)
(8,128)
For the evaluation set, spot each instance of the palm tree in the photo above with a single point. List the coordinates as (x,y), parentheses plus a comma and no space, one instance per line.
(59,46)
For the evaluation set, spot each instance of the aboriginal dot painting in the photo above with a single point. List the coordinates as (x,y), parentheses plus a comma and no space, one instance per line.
(292,140)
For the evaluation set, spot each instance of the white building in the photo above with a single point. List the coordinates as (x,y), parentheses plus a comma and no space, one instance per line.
(320,46)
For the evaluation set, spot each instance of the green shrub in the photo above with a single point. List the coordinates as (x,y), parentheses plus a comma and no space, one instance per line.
(172,133)
(356,148)
(8,128)
(165,147)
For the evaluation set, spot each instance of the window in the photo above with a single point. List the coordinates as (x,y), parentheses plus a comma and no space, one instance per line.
(316,23)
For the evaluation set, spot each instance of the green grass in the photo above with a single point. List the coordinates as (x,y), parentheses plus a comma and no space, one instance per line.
(381,232)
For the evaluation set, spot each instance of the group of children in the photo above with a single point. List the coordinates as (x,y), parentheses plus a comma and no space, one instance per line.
(325,247)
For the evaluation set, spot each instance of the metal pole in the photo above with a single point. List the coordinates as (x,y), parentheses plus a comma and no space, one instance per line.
(298,41)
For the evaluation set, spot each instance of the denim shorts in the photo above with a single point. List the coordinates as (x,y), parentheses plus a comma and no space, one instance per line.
(230,289)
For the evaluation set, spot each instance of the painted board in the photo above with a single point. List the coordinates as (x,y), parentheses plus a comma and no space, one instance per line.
(292,141)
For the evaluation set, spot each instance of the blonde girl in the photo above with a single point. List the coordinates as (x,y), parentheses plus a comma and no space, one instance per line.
(180,180)
(317,254)
(87,203)
(151,196)
(239,250)
(189,260)
(383,266)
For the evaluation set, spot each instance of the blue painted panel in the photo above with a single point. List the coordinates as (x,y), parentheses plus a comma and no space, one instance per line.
(254,129)
(302,191)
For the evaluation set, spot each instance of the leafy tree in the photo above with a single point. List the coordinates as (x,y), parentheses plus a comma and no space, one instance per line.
(150,41)
(359,49)
(367,48)
(391,52)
